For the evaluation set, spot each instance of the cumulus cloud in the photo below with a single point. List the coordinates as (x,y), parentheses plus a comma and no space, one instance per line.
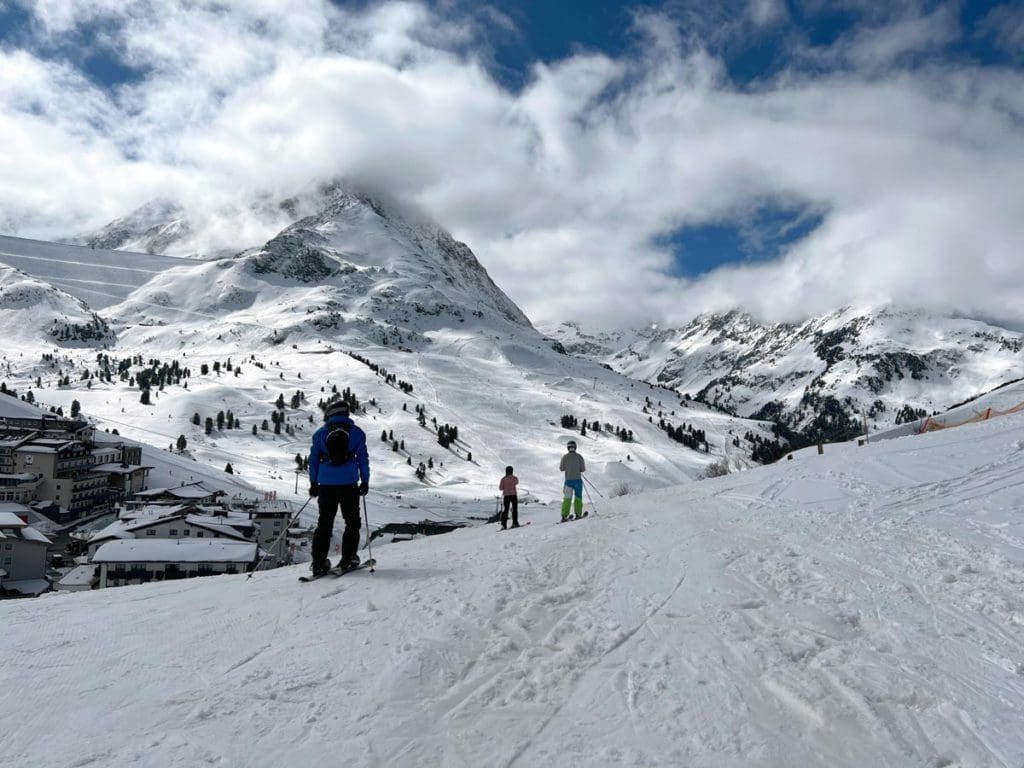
(566,188)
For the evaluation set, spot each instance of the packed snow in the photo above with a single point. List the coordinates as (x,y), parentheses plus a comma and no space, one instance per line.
(863,607)
(95,275)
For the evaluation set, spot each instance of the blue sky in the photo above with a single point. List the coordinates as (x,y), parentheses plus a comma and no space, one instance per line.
(782,138)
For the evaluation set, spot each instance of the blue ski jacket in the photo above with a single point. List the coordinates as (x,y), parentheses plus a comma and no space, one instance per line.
(356,470)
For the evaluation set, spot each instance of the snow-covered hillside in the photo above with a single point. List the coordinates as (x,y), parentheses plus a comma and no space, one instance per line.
(35,315)
(96,276)
(820,375)
(858,608)
(429,330)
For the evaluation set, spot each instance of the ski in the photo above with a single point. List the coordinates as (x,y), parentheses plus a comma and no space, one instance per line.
(572,519)
(521,525)
(336,571)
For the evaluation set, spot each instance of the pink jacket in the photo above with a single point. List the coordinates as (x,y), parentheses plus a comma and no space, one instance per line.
(508,485)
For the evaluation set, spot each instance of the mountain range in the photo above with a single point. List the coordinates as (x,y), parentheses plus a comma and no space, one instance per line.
(359,274)
(824,377)
(366,300)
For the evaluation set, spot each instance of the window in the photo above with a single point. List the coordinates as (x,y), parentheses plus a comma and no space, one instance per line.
(174,531)
(7,562)
(188,532)
(277,523)
(8,546)
(151,532)
(199,534)
(119,567)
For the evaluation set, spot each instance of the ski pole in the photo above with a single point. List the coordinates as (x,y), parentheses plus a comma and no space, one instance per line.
(369,549)
(591,499)
(278,539)
(592,486)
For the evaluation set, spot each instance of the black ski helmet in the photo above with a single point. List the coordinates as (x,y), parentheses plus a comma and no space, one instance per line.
(337,408)
(508,470)
(572,445)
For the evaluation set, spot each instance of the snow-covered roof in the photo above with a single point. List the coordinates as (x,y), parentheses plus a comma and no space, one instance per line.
(8,518)
(23,477)
(190,491)
(82,576)
(38,449)
(116,530)
(176,551)
(27,586)
(13,408)
(153,511)
(234,520)
(216,527)
(31,534)
(115,468)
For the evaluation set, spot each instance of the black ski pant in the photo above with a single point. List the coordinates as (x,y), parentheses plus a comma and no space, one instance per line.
(329,499)
(512,501)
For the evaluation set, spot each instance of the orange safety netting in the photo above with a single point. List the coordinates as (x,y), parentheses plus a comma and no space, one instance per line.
(933,424)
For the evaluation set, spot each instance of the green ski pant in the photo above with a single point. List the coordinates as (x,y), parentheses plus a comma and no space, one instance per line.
(572,488)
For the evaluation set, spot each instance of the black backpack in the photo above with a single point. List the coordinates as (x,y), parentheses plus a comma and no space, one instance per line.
(337,444)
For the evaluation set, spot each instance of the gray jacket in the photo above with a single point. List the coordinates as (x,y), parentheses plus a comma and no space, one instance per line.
(573,465)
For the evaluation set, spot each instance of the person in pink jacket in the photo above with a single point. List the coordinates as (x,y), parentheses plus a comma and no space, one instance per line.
(507,486)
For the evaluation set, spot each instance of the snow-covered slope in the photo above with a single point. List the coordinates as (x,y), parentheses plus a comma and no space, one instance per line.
(35,314)
(96,276)
(821,374)
(430,331)
(858,608)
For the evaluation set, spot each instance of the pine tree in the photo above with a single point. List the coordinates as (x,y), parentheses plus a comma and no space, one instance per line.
(182,443)
(209,425)
(229,469)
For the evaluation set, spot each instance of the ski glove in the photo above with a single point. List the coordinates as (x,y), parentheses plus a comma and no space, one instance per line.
(314,489)
(364,488)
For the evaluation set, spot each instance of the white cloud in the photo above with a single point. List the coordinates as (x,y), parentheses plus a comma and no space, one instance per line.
(561,189)
(766,13)
(876,48)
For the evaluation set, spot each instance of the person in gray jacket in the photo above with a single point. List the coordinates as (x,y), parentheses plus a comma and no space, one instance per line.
(574,466)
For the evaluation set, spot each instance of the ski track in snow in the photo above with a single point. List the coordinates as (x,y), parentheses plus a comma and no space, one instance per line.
(862,608)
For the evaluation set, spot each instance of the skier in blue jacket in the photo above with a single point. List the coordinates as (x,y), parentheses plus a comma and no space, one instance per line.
(339,473)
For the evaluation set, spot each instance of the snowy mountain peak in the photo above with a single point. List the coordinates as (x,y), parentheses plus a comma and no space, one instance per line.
(152,228)
(355,266)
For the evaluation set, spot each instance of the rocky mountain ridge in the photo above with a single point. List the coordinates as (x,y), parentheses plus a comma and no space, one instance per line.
(824,376)
(355,268)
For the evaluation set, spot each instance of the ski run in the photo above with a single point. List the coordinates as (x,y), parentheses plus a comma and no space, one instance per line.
(860,608)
